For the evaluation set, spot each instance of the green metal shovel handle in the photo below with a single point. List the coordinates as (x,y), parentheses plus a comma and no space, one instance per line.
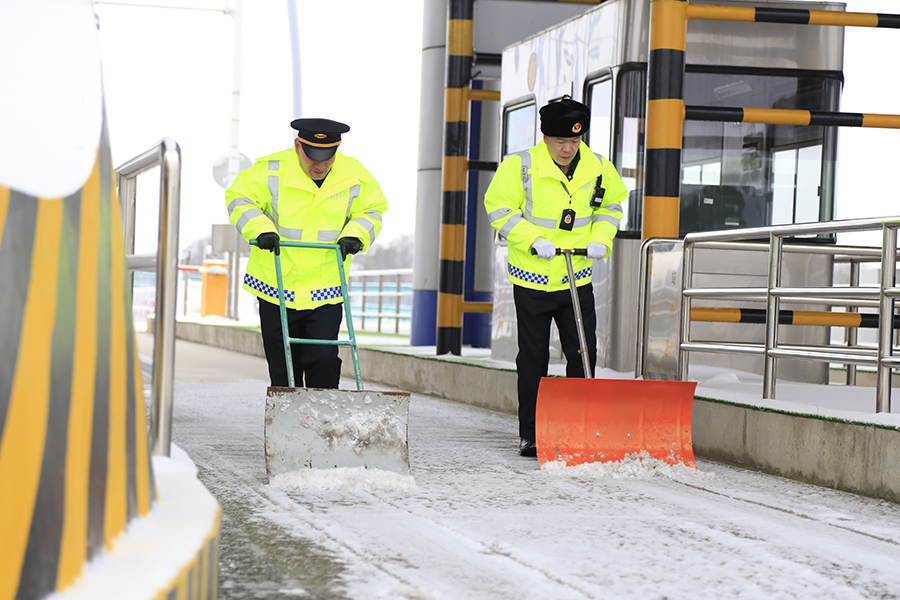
(288,354)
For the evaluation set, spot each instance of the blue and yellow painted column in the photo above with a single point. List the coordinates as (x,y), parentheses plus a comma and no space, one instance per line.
(454,180)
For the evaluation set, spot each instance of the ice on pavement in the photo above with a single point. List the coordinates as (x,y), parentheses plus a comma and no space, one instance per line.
(634,466)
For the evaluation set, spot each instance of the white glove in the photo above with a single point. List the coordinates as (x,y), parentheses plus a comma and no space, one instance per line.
(596,250)
(543,248)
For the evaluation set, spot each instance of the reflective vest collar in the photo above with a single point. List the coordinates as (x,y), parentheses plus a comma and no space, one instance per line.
(339,178)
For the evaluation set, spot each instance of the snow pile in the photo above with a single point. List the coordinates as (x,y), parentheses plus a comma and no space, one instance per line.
(633,466)
(344,478)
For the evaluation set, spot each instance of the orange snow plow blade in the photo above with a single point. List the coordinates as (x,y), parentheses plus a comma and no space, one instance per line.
(602,420)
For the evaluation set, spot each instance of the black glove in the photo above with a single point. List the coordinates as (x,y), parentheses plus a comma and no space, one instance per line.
(349,246)
(268,241)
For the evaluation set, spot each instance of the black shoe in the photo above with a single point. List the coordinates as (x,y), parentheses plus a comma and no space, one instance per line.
(527,448)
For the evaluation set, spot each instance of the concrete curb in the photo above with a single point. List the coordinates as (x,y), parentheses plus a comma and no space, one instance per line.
(853,457)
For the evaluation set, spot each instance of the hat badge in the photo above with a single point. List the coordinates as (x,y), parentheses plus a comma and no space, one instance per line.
(322,136)
(576,127)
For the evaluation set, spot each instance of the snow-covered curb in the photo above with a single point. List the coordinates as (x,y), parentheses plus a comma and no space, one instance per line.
(155,552)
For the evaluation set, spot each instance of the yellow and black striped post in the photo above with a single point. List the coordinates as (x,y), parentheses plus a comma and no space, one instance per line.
(74,462)
(818,318)
(666,112)
(793,16)
(453,202)
(776,116)
(665,119)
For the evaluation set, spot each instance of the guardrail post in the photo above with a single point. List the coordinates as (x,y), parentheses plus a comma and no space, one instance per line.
(772,306)
(886,318)
(852,332)
(684,334)
(167,155)
(397,306)
(380,303)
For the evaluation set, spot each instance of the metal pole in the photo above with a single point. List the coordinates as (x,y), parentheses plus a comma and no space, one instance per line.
(293,24)
(642,308)
(167,155)
(397,306)
(772,306)
(185,293)
(380,299)
(234,162)
(576,305)
(886,318)
(852,332)
(684,335)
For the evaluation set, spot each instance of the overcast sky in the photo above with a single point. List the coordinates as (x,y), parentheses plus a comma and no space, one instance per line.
(169,73)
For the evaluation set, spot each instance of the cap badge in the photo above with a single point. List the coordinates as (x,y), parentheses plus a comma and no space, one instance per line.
(322,136)
(576,127)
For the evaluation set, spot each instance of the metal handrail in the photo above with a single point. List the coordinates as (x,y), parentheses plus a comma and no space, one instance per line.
(167,155)
(396,276)
(774,294)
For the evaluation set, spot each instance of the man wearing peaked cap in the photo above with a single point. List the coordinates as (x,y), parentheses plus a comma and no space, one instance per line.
(557,195)
(308,193)
(319,137)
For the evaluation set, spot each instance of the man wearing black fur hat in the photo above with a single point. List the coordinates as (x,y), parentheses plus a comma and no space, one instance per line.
(557,195)
(307,193)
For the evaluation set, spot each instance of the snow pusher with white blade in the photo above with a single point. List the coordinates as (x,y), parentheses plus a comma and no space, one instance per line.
(310,428)
(602,420)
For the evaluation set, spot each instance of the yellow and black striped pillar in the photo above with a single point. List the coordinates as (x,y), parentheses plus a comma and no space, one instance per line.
(74,461)
(789,317)
(455,167)
(665,119)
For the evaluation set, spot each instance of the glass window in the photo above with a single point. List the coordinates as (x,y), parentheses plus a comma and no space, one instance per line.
(739,174)
(518,129)
(628,152)
(600,101)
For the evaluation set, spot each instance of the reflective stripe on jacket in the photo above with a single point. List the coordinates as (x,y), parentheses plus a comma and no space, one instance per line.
(276,195)
(526,199)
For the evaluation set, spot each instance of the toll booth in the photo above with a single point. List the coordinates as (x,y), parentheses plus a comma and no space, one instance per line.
(733,175)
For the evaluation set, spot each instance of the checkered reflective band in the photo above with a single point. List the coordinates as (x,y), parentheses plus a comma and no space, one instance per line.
(526,276)
(579,275)
(266,289)
(326,294)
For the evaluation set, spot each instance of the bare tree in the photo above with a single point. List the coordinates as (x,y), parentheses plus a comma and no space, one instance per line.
(394,254)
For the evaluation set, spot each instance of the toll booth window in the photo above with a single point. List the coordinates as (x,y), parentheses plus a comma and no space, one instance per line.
(737,175)
(518,129)
(628,148)
(600,100)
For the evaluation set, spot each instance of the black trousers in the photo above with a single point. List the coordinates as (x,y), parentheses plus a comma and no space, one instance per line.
(534,311)
(315,366)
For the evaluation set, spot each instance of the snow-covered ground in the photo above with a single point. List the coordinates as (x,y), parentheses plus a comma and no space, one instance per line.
(475,520)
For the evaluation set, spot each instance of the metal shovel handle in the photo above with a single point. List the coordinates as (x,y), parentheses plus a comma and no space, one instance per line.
(576,305)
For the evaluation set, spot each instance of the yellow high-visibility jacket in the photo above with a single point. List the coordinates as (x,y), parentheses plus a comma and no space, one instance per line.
(526,200)
(275,195)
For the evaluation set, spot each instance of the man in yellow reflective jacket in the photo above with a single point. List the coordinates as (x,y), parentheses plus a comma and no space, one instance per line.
(557,195)
(308,193)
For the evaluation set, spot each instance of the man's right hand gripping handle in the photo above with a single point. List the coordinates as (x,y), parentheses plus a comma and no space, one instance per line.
(268,241)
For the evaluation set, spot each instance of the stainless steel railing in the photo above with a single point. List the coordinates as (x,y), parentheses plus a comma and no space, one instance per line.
(167,155)
(774,294)
(381,295)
